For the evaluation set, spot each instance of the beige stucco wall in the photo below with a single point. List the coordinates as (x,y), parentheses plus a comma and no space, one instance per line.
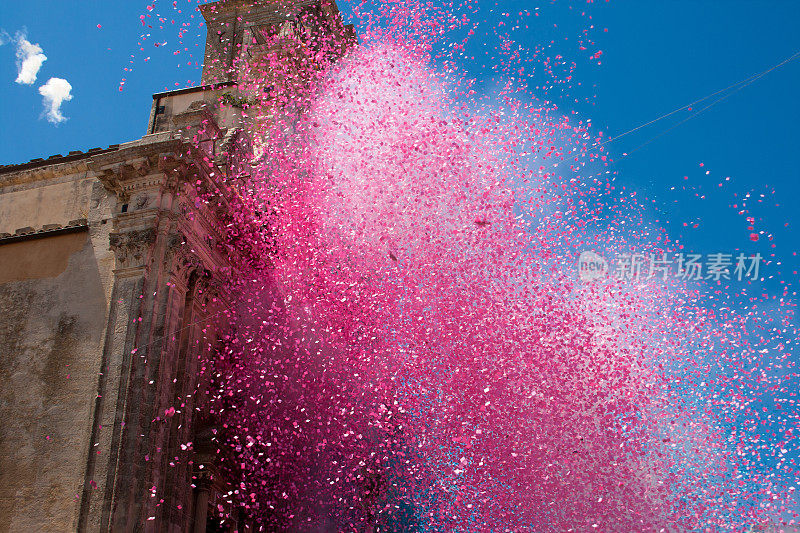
(37,203)
(54,295)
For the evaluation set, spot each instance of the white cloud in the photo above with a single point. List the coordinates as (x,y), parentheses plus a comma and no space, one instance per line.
(4,37)
(29,59)
(56,91)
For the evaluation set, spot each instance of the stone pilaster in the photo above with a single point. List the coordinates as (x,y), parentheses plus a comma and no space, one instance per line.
(137,478)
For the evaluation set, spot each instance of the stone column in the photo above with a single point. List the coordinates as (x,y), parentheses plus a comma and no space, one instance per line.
(132,250)
(178,383)
(201,506)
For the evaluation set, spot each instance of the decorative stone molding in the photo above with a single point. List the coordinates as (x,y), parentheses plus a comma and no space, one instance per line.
(131,247)
(184,265)
(212,289)
(141,201)
(175,243)
(182,260)
(115,177)
(138,166)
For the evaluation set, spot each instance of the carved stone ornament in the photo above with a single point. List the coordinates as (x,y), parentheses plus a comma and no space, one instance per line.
(185,264)
(180,258)
(141,202)
(131,247)
(175,245)
(211,289)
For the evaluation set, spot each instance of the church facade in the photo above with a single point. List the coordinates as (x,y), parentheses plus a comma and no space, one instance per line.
(111,296)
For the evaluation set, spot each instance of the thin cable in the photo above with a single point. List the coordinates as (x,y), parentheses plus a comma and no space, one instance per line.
(690,117)
(739,84)
(177,331)
(715,102)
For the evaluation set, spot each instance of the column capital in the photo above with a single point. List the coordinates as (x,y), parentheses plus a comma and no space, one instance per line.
(131,247)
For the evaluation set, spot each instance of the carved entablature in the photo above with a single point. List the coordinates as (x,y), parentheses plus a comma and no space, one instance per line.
(121,176)
(109,180)
(140,167)
(176,171)
(205,221)
(132,248)
(175,244)
(140,201)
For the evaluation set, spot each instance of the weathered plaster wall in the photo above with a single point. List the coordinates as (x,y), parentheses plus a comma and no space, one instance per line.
(54,295)
(36,204)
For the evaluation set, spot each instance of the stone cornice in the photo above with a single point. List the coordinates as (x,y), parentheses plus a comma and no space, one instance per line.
(54,173)
(58,169)
(44,178)
(139,166)
(197,89)
(73,227)
(55,164)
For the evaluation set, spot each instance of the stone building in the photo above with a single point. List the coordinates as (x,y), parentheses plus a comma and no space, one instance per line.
(110,276)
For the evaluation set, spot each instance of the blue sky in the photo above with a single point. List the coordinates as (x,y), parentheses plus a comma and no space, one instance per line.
(659,56)
(93,60)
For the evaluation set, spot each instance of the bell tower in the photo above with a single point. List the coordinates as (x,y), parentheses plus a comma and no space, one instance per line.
(242,30)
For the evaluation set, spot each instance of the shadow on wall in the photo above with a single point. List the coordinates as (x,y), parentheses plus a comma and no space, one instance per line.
(39,258)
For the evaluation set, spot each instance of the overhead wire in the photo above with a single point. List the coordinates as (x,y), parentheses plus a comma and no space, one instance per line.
(734,88)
